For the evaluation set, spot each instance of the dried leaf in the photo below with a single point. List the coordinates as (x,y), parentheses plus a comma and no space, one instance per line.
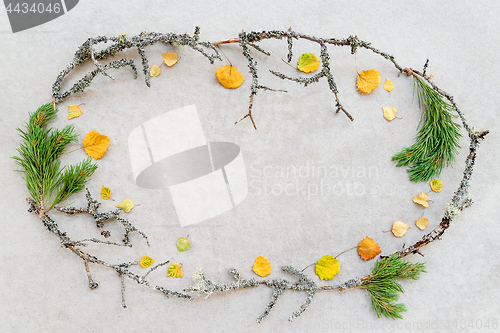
(368,249)
(183,244)
(399,228)
(74,111)
(95,144)
(175,270)
(327,267)
(389,112)
(126,205)
(170,58)
(105,193)
(436,185)
(388,85)
(262,266)
(308,62)
(229,77)
(421,199)
(146,261)
(367,81)
(154,70)
(422,223)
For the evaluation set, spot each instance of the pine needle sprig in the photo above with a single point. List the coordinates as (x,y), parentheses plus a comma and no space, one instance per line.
(437,140)
(383,287)
(39,158)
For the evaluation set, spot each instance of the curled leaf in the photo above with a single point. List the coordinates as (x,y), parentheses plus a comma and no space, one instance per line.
(308,62)
(126,205)
(421,199)
(146,261)
(262,266)
(95,144)
(74,111)
(105,193)
(388,85)
(368,249)
(399,228)
(154,70)
(170,58)
(367,81)
(229,77)
(389,112)
(422,223)
(327,267)
(175,270)
(183,244)
(436,185)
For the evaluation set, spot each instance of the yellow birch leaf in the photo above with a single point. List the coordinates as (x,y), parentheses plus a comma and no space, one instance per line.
(74,111)
(327,267)
(422,223)
(183,244)
(126,205)
(367,81)
(105,193)
(95,144)
(399,228)
(146,261)
(368,249)
(154,70)
(170,58)
(262,266)
(388,85)
(229,77)
(436,185)
(308,62)
(421,199)
(175,270)
(389,112)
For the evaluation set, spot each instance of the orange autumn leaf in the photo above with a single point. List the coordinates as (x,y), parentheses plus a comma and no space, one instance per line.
(170,58)
(229,77)
(421,199)
(74,111)
(262,266)
(368,249)
(422,223)
(367,81)
(105,193)
(95,144)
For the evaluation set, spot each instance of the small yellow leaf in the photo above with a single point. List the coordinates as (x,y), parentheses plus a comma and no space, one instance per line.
(262,266)
(154,70)
(95,144)
(146,262)
(368,249)
(389,112)
(170,58)
(388,85)
(229,77)
(399,228)
(422,223)
(327,267)
(175,270)
(74,111)
(367,81)
(126,205)
(105,193)
(308,62)
(436,185)
(421,199)
(183,244)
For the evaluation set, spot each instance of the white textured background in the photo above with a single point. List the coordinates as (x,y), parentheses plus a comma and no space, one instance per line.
(43,287)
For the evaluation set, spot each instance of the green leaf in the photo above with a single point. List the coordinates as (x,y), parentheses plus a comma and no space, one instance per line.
(183,244)
(308,62)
